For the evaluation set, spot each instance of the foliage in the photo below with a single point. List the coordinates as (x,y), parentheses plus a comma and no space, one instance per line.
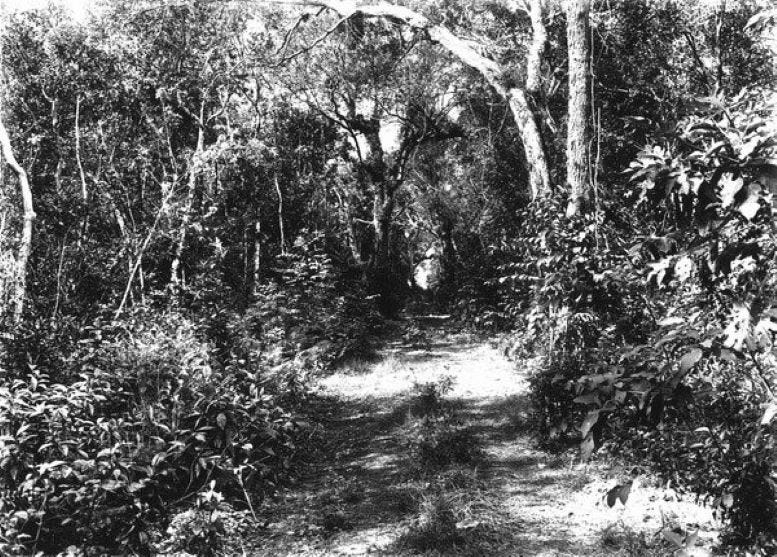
(435,527)
(309,313)
(146,422)
(217,187)
(429,401)
(206,529)
(434,435)
(679,373)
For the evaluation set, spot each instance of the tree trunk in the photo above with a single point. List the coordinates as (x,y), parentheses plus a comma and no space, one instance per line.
(383,209)
(379,273)
(578,132)
(281,228)
(175,280)
(82,176)
(534,150)
(25,244)
(447,258)
(537,48)
(136,267)
(58,142)
(344,214)
(257,267)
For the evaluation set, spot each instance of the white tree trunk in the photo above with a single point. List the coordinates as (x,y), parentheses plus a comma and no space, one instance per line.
(175,279)
(537,47)
(578,132)
(25,244)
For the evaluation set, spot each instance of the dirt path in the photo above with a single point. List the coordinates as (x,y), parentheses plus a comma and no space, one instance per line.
(367,488)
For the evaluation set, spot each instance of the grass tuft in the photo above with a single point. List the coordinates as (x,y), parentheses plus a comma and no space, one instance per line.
(628,542)
(435,527)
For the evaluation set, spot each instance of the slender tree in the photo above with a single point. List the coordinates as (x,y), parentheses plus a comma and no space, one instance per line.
(25,244)
(578,149)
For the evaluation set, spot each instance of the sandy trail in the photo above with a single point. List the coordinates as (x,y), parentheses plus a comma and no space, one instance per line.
(363,490)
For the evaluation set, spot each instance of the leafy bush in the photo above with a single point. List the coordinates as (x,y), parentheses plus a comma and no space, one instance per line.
(433,434)
(207,529)
(437,442)
(429,397)
(148,422)
(674,361)
(309,314)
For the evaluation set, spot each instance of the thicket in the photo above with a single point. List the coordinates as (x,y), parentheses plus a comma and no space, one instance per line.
(657,325)
(221,214)
(654,326)
(108,437)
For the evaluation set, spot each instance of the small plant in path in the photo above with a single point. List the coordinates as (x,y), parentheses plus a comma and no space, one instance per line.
(435,437)
(429,396)
(435,527)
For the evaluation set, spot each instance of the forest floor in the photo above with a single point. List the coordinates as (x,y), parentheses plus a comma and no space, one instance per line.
(365,491)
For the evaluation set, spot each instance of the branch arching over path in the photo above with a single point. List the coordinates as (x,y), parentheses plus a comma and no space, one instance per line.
(516,97)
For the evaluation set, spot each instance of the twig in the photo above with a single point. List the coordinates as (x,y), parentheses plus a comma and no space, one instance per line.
(143,248)
(287,36)
(59,276)
(84,193)
(316,42)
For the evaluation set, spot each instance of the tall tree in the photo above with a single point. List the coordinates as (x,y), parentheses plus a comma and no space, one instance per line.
(371,83)
(578,132)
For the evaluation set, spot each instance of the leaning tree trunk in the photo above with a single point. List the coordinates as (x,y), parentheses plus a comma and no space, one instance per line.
(578,178)
(534,150)
(25,245)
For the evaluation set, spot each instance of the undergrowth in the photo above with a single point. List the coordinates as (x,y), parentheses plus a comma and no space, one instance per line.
(434,435)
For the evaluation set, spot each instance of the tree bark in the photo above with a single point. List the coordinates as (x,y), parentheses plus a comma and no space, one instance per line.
(539,180)
(281,228)
(82,176)
(25,244)
(58,142)
(175,280)
(347,220)
(257,252)
(578,131)
(447,257)
(537,48)
(534,150)
(383,210)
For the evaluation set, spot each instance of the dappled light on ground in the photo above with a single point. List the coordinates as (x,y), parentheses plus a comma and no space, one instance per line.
(368,492)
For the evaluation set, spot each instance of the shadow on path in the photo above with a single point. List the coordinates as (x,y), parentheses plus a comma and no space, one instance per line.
(361,489)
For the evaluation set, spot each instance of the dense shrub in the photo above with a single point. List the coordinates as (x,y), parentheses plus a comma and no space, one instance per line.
(665,350)
(310,312)
(435,437)
(147,422)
